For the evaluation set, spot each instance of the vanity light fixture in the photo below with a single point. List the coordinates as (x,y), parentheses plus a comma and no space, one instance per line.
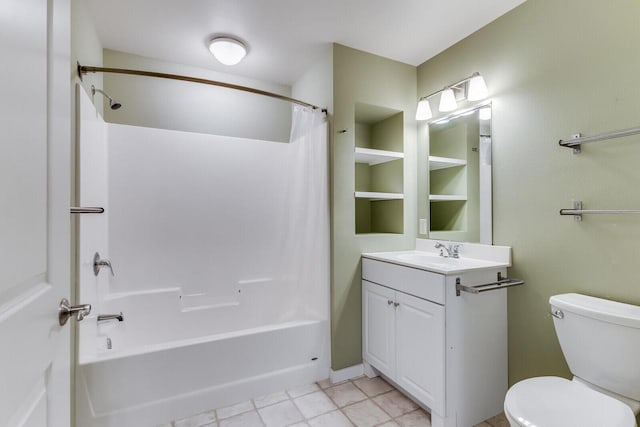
(228,50)
(447,101)
(477,88)
(472,88)
(424,110)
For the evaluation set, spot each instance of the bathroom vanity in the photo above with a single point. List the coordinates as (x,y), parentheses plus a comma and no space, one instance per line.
(436,327)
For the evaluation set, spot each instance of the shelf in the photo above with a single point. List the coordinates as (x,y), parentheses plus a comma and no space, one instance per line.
(378,196)
(446,197)
(375,157)
(436,163)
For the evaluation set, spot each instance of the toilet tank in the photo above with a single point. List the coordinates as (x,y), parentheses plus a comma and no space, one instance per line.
(600,340)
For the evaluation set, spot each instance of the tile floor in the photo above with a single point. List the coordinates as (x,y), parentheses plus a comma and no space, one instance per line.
(361,402)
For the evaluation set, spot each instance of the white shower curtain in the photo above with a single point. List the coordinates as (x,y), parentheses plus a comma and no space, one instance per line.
(305,238)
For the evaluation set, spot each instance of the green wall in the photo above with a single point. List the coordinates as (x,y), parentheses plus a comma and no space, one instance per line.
(554,68)
(362,78)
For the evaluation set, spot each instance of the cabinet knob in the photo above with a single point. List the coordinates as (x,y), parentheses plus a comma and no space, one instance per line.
(389,302)
(396,304)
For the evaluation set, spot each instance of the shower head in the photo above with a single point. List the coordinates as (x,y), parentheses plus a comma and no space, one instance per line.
(114,105)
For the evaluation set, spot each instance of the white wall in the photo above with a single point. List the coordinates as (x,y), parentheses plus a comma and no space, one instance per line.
(86,47)
(192,107)
(211,214)
(92,192)
(193,210)
(315,86)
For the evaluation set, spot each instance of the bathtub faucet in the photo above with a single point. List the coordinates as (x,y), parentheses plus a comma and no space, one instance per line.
(105,317)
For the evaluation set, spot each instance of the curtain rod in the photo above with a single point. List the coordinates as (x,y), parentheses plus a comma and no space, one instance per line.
(84,69)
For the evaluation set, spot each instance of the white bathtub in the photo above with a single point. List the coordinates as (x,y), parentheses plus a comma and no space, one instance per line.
(221,270)
(150,376)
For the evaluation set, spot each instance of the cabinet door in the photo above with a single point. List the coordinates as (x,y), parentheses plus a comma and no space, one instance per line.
(420,350)
(378,327)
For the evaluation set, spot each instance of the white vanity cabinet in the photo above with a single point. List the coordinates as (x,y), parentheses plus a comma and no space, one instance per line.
(393,321)
(447,351)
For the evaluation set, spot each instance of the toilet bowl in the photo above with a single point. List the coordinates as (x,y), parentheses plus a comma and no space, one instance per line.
(600,340)
(558,402)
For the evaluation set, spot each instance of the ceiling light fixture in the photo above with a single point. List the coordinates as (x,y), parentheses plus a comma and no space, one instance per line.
(472,88)
(227,50)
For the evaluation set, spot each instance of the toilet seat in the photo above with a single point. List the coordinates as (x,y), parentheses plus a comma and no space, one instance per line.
(557,402)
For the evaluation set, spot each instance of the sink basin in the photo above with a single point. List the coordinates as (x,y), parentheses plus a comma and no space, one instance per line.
(433,262)
(428,258)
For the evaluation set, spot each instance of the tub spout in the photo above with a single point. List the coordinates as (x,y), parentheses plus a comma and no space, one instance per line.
(105,317)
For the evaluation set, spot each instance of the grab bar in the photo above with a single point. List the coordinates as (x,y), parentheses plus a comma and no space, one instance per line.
(501,283)
(577,211)
(80,210)
(577,140)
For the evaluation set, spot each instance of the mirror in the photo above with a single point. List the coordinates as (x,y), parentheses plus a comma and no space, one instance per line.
(455,180)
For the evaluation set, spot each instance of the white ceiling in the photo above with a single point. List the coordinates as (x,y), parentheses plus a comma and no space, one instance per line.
(286,36)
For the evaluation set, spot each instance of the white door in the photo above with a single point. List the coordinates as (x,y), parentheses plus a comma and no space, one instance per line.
(420,361)
(35,74)
(378,327)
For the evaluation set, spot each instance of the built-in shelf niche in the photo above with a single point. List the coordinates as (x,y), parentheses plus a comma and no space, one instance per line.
(379,170)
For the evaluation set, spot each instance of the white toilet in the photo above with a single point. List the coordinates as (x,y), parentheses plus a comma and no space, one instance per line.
(600,340)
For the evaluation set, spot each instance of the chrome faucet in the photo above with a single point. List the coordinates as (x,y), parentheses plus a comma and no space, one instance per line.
(105,317)
(99,263)
(452,251)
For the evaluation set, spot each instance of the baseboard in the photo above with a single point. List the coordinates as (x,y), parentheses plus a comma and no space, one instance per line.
(346,373)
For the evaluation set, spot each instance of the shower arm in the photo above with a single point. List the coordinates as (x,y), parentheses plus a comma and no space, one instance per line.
(84,69)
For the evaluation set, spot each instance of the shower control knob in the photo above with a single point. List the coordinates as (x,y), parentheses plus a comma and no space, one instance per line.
(99,263)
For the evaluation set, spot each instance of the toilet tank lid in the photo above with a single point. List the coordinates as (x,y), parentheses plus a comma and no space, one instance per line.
(597,308)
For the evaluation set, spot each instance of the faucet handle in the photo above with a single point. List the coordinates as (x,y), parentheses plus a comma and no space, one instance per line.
(99,263)
(107,263)
(455,250)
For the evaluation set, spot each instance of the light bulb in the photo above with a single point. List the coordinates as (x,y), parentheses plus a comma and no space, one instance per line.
(227,50)
(477,88)
(424,110)
(448,101)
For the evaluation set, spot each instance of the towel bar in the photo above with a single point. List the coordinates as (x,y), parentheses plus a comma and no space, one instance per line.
(577,139)
(577,211)
(500,283)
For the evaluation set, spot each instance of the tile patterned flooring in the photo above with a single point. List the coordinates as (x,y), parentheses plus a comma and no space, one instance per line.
(361,402)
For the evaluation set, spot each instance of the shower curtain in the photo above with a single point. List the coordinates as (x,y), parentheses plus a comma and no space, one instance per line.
(305,238)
